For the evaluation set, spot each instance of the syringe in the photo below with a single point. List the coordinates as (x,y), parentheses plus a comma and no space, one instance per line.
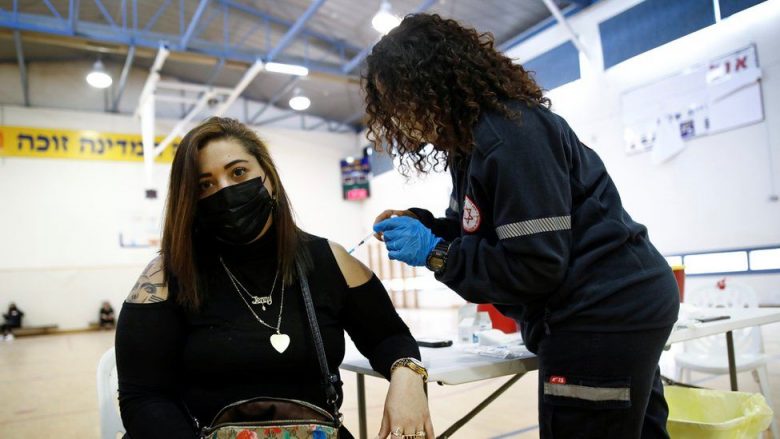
(363,241)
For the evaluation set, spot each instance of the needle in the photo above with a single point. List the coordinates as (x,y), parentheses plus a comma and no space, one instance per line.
(363,241)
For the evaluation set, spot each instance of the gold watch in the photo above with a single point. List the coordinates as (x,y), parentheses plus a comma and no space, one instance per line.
(414,364)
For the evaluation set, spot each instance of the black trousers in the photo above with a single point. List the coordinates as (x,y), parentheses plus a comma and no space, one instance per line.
(6,327)
(602,385)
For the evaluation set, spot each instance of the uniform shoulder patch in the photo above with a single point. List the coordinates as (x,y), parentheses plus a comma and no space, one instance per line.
(472,218)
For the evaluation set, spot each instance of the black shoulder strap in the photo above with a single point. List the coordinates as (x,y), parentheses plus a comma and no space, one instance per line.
(329,379)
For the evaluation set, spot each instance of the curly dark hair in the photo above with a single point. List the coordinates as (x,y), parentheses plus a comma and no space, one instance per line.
(428,80)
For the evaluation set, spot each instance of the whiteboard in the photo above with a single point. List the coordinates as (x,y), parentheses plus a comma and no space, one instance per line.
(721,95)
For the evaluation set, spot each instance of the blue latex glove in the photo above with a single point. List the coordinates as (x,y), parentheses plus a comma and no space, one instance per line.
(407,239)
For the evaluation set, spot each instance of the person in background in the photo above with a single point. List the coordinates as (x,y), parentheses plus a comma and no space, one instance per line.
(219,316)
(13,319)
(535,225)
(106,315)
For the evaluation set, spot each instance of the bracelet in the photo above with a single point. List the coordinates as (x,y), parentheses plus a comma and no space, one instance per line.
(413,364)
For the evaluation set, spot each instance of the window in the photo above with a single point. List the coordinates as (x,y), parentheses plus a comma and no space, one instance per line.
(767,259)
(725,262)
(732,261)
(674,260)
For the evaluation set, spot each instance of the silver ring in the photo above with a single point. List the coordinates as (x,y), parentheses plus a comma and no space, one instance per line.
(396,432)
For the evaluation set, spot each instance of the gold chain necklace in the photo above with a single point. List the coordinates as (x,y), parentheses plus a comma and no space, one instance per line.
(256,300)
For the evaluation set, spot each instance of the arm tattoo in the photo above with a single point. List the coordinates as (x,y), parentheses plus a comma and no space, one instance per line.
(150,287)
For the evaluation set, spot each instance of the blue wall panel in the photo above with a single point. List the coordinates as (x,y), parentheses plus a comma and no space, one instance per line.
(556,67)
(650,24)
(731,7)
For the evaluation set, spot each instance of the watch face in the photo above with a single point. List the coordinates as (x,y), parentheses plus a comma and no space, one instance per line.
(436,263)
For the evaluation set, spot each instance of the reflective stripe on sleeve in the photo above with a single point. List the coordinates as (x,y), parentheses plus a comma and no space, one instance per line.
(588,393)
(534,226)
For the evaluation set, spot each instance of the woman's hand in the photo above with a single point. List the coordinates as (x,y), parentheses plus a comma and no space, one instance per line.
(389,213)
(406,408)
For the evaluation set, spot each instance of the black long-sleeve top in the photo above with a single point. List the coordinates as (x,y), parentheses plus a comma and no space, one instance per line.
(13,318)
(537,227)
(174,365)
(106,314)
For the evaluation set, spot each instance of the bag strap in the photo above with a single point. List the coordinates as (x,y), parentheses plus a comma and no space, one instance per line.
(329,380)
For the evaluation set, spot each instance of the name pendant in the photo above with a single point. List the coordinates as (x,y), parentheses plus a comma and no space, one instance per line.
(266,300)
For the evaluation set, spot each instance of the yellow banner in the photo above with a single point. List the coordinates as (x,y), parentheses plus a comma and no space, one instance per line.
(79,145)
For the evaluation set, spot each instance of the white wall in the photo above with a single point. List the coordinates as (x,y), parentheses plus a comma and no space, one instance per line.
(60,219)
(716,193)
(309,166)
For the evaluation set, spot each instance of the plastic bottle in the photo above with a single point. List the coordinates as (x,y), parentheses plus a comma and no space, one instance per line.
(482,323)
(467,315)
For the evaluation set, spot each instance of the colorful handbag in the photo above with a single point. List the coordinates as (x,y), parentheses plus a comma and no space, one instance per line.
(279,418)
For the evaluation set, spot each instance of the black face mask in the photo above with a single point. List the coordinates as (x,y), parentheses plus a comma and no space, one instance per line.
(236,214)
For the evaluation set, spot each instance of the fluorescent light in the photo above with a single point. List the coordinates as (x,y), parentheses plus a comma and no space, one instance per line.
(384,21)
(98,77)
(724,262)
(289,69)
(768,259)
(300,103)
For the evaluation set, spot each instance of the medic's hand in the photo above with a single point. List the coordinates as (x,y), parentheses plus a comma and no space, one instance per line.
(389,213)
(407,239)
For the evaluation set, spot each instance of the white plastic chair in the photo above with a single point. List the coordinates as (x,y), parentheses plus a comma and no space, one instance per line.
(709,354)
(108,392)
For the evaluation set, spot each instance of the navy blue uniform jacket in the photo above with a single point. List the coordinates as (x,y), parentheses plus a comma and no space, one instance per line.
(537,228)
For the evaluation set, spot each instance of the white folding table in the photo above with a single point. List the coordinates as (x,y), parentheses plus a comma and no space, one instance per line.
(454,366)
(738,319)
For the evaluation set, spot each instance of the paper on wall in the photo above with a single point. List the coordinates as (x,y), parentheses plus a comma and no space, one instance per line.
(668,142)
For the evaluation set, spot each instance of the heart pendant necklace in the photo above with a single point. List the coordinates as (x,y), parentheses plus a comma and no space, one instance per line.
(280,342)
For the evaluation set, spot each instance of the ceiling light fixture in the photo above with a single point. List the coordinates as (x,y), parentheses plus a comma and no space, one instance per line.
(289,69)
(384,21)
(299,102)
(98,77)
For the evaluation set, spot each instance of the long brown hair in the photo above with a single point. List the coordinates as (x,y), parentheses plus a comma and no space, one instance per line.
(178,249)
(433,76)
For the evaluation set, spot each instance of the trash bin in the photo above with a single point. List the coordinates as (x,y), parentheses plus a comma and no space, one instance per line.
(499,320)
(715,414)
(679,276)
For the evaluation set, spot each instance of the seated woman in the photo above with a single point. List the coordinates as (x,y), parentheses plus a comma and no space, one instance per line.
(106,316)
(13,320)
(219,316)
